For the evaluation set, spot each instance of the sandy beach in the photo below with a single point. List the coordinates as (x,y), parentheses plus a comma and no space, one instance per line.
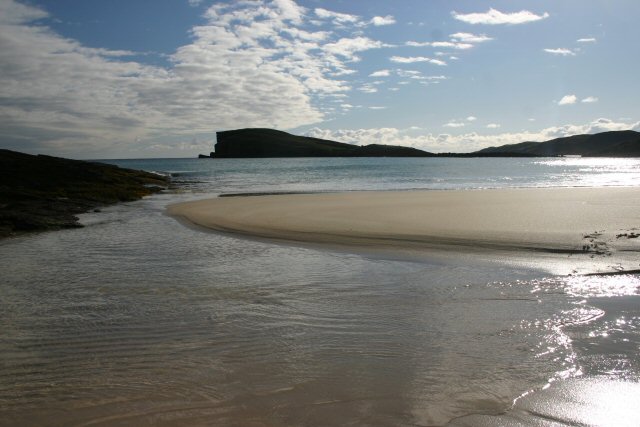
(592,222)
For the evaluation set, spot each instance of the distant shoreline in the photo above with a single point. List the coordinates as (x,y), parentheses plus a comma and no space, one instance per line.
(271,143)
(595,225)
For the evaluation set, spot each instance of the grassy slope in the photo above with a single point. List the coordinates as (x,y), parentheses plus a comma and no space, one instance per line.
(614,143)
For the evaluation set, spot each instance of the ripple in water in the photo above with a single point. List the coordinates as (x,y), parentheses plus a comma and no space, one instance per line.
(138,320)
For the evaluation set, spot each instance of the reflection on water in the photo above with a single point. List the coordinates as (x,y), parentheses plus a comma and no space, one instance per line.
(575,402)
(137,320)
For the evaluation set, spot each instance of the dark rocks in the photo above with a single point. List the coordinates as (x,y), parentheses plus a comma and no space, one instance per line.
(39,193)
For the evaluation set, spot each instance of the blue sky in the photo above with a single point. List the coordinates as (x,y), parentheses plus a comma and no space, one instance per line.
(158,78)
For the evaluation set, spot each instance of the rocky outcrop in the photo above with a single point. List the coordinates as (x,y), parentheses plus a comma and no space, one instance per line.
(39,193)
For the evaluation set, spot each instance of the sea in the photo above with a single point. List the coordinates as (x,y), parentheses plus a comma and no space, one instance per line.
(138,320)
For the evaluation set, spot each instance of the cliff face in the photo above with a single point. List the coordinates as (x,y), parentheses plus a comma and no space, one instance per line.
(272,143)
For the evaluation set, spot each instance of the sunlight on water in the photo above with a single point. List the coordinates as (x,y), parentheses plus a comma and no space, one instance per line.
(138,320)
(340,174)
(190,328)
(595,285)
(598,286)
(594,171)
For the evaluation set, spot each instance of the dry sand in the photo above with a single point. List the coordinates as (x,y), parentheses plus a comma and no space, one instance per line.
(582,221)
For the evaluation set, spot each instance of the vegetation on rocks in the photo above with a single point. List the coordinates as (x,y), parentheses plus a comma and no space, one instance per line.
(39,193)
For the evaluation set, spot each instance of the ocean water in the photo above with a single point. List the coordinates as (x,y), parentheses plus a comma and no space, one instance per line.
(138,320)
(344,174)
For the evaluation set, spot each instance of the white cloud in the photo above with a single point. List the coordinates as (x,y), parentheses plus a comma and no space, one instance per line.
(493,126)
(13,13)
(452,45)
(339,18)
(368,88)
(417,75)
(344,19)
(561,51)
(251,63)
(380,73)
(408,73)
(290,11)
(568,100)
(377,108)
(472,119)
(383,20)
(590,100)
(307,36)
(195,3)
(347,47)
(495,17)
(587,40)
(470,38)
(418,44)
(409,59)
(414,59)
(453,124)
(440,62)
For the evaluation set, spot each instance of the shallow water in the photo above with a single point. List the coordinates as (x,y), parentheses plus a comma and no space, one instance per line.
(138,320)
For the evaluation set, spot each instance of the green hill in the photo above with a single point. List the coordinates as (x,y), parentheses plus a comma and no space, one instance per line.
(606,144)
(257,142)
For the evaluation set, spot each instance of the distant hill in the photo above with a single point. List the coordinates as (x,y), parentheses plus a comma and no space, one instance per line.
(258,142)
(606,144)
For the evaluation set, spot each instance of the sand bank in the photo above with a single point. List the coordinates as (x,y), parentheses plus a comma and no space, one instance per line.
(592,221)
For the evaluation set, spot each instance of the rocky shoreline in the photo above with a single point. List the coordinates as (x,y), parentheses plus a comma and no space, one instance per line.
(40,193)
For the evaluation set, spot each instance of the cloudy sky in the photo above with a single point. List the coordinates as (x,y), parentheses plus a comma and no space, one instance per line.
(158,78)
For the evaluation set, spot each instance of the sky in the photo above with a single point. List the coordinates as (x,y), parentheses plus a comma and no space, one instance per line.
(158,78)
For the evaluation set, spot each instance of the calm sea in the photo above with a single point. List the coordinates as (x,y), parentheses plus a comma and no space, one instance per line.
(138,320)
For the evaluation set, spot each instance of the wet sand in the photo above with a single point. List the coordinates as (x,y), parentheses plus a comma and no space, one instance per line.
(566,223)
(591,223)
